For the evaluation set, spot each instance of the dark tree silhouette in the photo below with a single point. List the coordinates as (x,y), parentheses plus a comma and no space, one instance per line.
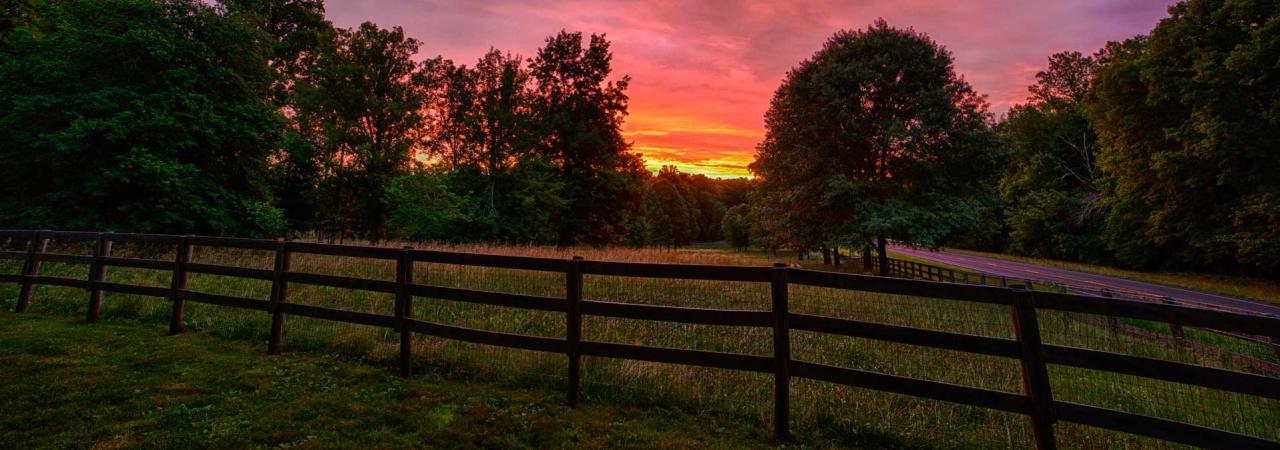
(873,138)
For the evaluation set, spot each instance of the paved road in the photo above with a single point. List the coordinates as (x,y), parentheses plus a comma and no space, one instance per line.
(1011,269)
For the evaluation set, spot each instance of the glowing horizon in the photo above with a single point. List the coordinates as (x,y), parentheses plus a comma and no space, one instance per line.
(703,72)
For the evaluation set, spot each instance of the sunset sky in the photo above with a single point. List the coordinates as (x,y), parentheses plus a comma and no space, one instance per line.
(703,71)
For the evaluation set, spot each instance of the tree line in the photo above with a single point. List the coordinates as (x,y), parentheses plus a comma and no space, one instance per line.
(1159,151)
(261,118)
(1156,152)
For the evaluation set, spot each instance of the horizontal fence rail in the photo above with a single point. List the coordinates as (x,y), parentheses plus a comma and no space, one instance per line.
(1036,401)
(917,270)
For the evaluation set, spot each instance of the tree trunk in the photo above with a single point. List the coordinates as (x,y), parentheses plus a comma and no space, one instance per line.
(866,257)
(826,256)
(491,208)
(835,255)
(881,244)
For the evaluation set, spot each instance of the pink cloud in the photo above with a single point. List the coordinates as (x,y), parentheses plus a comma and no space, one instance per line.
(700,68)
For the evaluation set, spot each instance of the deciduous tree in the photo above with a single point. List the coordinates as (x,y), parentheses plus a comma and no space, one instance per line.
(1190,121)
(137,115)
(362,108)
(1050,185)
(579,112)
(874,137)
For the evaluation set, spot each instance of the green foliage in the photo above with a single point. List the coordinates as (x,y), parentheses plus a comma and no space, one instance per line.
(1050,185)
(579,114)
(680,208)
(135,115)
(423,209)
(521,205)
(535,202)
(258,117)
(736,226)
(1190,117)
(361,107)
(874,137)
(670,212)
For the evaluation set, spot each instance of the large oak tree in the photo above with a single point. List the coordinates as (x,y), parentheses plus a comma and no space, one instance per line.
(874,138)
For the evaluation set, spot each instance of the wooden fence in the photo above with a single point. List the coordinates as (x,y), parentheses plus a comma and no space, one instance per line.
(929,272)
(1037,400)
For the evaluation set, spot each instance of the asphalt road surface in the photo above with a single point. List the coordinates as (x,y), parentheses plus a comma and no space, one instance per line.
(1011,269)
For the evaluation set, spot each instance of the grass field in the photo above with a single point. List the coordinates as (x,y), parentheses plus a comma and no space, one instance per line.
(126,386)
(1244,287)
(822,413)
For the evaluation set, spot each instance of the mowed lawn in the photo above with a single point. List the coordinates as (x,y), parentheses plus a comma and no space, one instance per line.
(67,384)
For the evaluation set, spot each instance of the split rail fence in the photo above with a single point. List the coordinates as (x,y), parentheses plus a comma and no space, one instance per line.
(1037,400)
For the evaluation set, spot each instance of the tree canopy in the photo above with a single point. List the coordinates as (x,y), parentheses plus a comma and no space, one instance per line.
(1050,185)
(1190,121)
(261,118)
(137,115)
(874,137)
(579,114)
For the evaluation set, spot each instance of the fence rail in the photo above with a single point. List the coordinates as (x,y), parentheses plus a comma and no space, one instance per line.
(1036,401)
(912,269)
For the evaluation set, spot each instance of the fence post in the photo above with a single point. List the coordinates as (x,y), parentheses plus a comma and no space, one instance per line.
(1174,328)
(404,310)
(1004,282)
(30,268)
(1113,323)
(1035,375)
(179,285)
(573,327)
(781,355)
(279,290)
(98,273)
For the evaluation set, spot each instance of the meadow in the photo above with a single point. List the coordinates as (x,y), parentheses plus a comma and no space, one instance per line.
(821,412)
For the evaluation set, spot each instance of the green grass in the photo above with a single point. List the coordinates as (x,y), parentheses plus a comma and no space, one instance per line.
(823,414)
(1244,287)
(73,385)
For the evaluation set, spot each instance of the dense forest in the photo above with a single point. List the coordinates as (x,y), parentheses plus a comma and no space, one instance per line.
(261,118)
(1161,151)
